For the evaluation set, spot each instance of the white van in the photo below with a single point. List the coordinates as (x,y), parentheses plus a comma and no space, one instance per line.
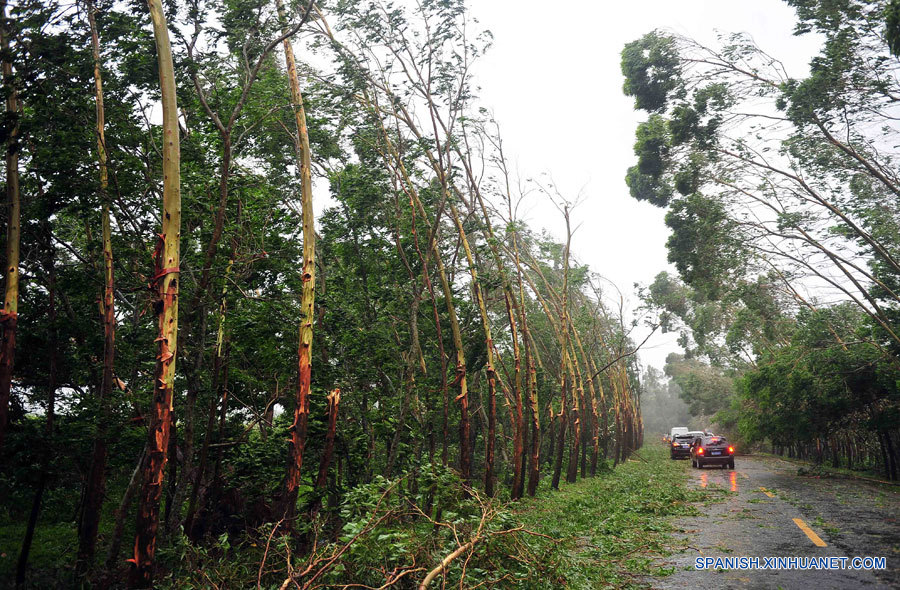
(676,431)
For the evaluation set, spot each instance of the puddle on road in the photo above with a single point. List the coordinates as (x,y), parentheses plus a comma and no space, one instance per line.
(732,480)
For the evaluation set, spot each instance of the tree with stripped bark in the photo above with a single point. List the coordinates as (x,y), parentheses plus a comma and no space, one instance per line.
(165,283)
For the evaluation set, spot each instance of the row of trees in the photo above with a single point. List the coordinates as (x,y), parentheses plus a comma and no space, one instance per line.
(417,304)
(782,201)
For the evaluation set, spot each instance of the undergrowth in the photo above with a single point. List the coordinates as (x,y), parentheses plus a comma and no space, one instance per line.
(602,532)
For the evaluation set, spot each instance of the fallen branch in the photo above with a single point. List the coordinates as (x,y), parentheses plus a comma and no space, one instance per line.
(440,568)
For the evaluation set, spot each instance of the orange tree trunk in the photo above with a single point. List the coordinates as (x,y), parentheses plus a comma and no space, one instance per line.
(307,300)
(165,283)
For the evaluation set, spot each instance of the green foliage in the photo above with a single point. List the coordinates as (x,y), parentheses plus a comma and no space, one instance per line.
(645,180)
(651,67)
(705,245)
(815,388)
(892,26)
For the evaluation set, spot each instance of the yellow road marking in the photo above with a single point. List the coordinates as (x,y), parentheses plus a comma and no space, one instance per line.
(767,492)
(818,542)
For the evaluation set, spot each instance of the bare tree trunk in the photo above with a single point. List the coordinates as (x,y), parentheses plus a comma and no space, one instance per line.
(577,414)
(9,313)
(95,487)
(560,434)
(333,400)
(518,485)
(166,280)
(115,543)
(534,413)
(307,302)
(491,373)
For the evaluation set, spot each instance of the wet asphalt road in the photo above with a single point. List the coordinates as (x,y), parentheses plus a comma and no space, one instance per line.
(853,518)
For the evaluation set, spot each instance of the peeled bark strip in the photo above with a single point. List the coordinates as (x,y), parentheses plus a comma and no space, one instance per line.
(96,483)
(165,283)
(9,313)
(307,300)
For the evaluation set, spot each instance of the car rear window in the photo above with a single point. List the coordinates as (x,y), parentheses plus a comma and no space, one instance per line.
(714,440)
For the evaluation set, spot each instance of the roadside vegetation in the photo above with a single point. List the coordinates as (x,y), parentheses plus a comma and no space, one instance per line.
(194,366)
(614,528)
(203,383)
(780,189)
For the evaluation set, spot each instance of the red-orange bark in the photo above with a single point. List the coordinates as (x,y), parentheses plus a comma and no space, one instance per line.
(165,284)
(307,299)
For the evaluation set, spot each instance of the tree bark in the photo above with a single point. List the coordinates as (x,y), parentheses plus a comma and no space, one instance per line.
(165,281)
(307,302)
(333,400)
(95,487)
(9,313)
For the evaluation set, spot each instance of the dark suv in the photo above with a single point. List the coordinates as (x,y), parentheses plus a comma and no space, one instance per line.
(681,446)
(712,450)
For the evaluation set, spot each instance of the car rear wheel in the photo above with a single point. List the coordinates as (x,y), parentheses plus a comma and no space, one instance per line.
(731,464)
(699,464)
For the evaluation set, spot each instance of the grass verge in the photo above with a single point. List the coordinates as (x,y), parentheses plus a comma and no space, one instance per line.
(614,527)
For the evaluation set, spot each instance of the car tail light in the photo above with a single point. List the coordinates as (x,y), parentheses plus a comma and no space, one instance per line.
(731,450)
(675,444)
(700,451)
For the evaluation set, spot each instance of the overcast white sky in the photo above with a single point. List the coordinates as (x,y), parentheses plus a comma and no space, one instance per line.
(553,81)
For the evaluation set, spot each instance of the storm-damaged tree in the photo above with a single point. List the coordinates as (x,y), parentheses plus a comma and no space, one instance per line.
(165,284)
(95,487)
(9,313)
(250,50)
(297,440)
(792,178)
(374,78)
(773,178)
